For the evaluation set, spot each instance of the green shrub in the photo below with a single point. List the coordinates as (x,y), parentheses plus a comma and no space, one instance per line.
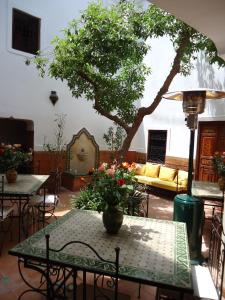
(88,199)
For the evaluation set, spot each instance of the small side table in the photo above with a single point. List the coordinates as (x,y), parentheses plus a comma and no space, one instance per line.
(209,192)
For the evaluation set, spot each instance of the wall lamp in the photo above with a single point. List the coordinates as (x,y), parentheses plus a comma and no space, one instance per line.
(53,97)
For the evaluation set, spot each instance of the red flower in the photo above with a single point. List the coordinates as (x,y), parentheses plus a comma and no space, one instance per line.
(121,181)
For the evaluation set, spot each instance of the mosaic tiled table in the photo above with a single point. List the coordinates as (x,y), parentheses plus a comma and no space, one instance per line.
(21,190)
(152,251)
(209,192)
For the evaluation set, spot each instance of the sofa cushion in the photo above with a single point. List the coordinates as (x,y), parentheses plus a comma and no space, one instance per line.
(152,170)
(145,179)
(140,169)
(182,178)
(167,174)
(168,185)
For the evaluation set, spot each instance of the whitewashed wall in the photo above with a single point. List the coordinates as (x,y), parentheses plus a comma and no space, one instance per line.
(25,95)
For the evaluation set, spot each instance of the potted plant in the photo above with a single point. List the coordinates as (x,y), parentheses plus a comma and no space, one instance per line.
(56,149)
(219,164)
(108,192)
(11,157)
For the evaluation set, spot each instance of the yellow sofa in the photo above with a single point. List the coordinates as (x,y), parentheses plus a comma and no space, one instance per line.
(159,176)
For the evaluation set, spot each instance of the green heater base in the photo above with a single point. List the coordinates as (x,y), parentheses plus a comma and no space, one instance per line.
(190,210)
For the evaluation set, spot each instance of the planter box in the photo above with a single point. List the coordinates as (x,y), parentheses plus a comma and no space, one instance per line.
(75,182)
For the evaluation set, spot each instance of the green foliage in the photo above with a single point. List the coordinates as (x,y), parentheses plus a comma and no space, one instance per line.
(58,146)
(162,23)
(59,143)
(114,137)
(101,58)
(111,185)
(88,199)
(12,157)
(219,163)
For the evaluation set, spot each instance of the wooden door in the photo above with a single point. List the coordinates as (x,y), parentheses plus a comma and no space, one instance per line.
(211,139)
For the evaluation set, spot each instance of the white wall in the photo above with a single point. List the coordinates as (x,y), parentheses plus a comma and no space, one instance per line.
(169,114)
(25,95)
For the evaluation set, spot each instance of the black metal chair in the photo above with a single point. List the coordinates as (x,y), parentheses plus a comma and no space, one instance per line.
(41,207)
(208,279)
(111,270)
(6,214)
(138,202)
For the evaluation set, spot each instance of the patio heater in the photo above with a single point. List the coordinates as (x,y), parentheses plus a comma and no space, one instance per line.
(187,208)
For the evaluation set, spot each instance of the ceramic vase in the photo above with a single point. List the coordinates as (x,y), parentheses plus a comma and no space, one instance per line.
(11,175)
(112,219)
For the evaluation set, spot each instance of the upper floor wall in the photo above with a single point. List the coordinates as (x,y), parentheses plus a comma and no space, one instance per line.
(25,95)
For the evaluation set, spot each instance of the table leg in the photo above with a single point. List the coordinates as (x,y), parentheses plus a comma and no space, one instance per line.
(19,219)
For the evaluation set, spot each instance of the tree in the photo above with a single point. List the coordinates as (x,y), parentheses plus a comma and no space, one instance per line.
(101,58)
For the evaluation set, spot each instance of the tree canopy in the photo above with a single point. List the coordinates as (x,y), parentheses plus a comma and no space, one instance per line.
(101,58)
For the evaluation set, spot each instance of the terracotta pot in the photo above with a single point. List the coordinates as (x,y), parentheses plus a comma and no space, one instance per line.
(11,175)
(112,219)
(221,183)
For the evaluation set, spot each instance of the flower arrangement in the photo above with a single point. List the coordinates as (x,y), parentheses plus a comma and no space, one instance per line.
(12,156)
(219,163)
(110,186)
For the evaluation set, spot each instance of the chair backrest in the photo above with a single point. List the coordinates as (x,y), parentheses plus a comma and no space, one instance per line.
(216,253)
(53,184)
(1,195)
(112,265)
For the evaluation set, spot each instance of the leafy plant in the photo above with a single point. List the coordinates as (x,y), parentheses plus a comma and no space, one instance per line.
(114,137)
(11,157)
(219,163)
(58,146)
(88,199)
(111,185)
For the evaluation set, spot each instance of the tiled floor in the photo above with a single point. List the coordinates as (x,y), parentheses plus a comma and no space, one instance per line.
(11,284)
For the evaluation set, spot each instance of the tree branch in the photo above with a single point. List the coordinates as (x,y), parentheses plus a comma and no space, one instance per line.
(97,106)
(143,111)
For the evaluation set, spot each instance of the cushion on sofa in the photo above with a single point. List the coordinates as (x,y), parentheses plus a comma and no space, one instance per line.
(168,185)
(152,170)
(145,179)
(167,174)
(140,169)
(182,178)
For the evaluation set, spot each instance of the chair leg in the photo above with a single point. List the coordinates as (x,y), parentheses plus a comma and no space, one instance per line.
(84,285)
(139,291)
(74,284)
(4,231)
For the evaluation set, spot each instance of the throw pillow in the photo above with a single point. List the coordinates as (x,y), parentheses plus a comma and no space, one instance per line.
(167,174)
(152,170)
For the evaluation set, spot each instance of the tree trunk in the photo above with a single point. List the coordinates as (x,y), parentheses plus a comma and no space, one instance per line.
(143,111)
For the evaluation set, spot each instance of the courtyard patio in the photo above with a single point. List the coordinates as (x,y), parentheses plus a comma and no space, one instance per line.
(11,284)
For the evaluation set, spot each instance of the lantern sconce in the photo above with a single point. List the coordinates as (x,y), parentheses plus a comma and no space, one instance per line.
(53,97)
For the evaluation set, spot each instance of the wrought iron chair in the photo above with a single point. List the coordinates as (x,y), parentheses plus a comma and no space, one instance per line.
(111,268)
(6,213)
(208,279)
(41,207)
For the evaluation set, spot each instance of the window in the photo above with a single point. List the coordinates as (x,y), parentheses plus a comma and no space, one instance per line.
(25,32)
(157,145)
